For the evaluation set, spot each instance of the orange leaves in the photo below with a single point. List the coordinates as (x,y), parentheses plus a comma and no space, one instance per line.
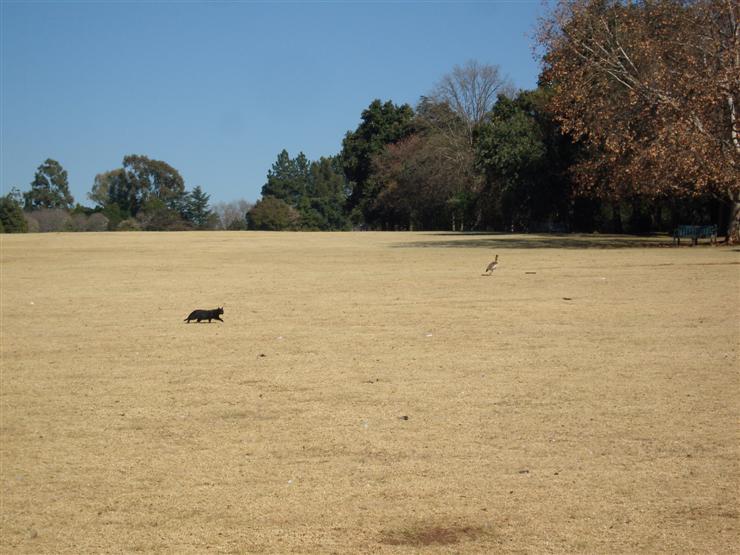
(646,84)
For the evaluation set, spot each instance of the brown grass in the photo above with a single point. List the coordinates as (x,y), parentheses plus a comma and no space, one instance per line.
(607,423)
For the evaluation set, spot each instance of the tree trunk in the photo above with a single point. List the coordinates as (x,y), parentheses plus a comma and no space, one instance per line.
(733,226)
(616,218)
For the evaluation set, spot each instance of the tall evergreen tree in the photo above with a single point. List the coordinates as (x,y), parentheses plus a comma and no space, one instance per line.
(197,210)
(323,206)
(288,178)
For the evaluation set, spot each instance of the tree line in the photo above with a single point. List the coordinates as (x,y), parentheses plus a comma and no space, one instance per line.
(143,194)
(633,127)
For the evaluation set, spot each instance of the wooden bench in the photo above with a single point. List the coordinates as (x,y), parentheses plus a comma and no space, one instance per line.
(695,232)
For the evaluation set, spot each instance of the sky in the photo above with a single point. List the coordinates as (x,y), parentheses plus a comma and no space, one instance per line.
(218,89)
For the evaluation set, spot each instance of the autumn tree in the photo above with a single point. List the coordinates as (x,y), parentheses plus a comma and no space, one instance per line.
(652,88)
(425,180)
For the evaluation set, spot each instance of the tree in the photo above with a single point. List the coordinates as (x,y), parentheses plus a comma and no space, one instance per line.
(272,214)
(652,88)
(156,215)
(105,183)
(382,124)
(49,188)
(141,179)
(197,210)
(422,187)
(323,205)
(232,215)
(11,215)
(288,178)
(316,190)
(470,91)
(525,158)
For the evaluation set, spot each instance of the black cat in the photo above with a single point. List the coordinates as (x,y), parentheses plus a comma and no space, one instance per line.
(205,315)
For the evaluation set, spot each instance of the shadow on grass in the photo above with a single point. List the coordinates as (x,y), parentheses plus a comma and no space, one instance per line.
(539,241)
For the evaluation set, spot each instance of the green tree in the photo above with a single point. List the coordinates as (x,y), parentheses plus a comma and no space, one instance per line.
(323,206)
(272,214)
(103,185)
(288,178)
(11,215)
(142,179)
(510,149)
(156,215)
(49,188)
(382,124)
(197,210)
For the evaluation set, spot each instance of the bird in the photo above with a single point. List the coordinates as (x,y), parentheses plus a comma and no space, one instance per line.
(491,267)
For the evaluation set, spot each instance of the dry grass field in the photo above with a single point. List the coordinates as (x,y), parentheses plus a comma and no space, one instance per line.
(368,393)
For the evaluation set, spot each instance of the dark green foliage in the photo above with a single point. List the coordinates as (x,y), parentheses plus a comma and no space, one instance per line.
(525,160)
(196,209)
(149,190)
(315,190)
(382,124)
(156,215)
(49,188)
(323,205)
(11,215)
(288,178)
(272,214)
(139,180)
(114,214)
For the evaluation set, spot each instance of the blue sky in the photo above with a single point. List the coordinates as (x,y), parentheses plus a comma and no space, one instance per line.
(218,89)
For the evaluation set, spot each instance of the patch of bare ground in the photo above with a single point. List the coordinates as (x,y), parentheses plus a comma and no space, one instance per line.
(425,535)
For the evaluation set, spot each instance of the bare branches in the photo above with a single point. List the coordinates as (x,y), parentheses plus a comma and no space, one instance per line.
(471,91)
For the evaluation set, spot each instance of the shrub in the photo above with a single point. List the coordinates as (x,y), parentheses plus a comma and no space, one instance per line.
(97,222)
(78,222)
(32,223)
(129,224)
(272,214)
(52,219)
